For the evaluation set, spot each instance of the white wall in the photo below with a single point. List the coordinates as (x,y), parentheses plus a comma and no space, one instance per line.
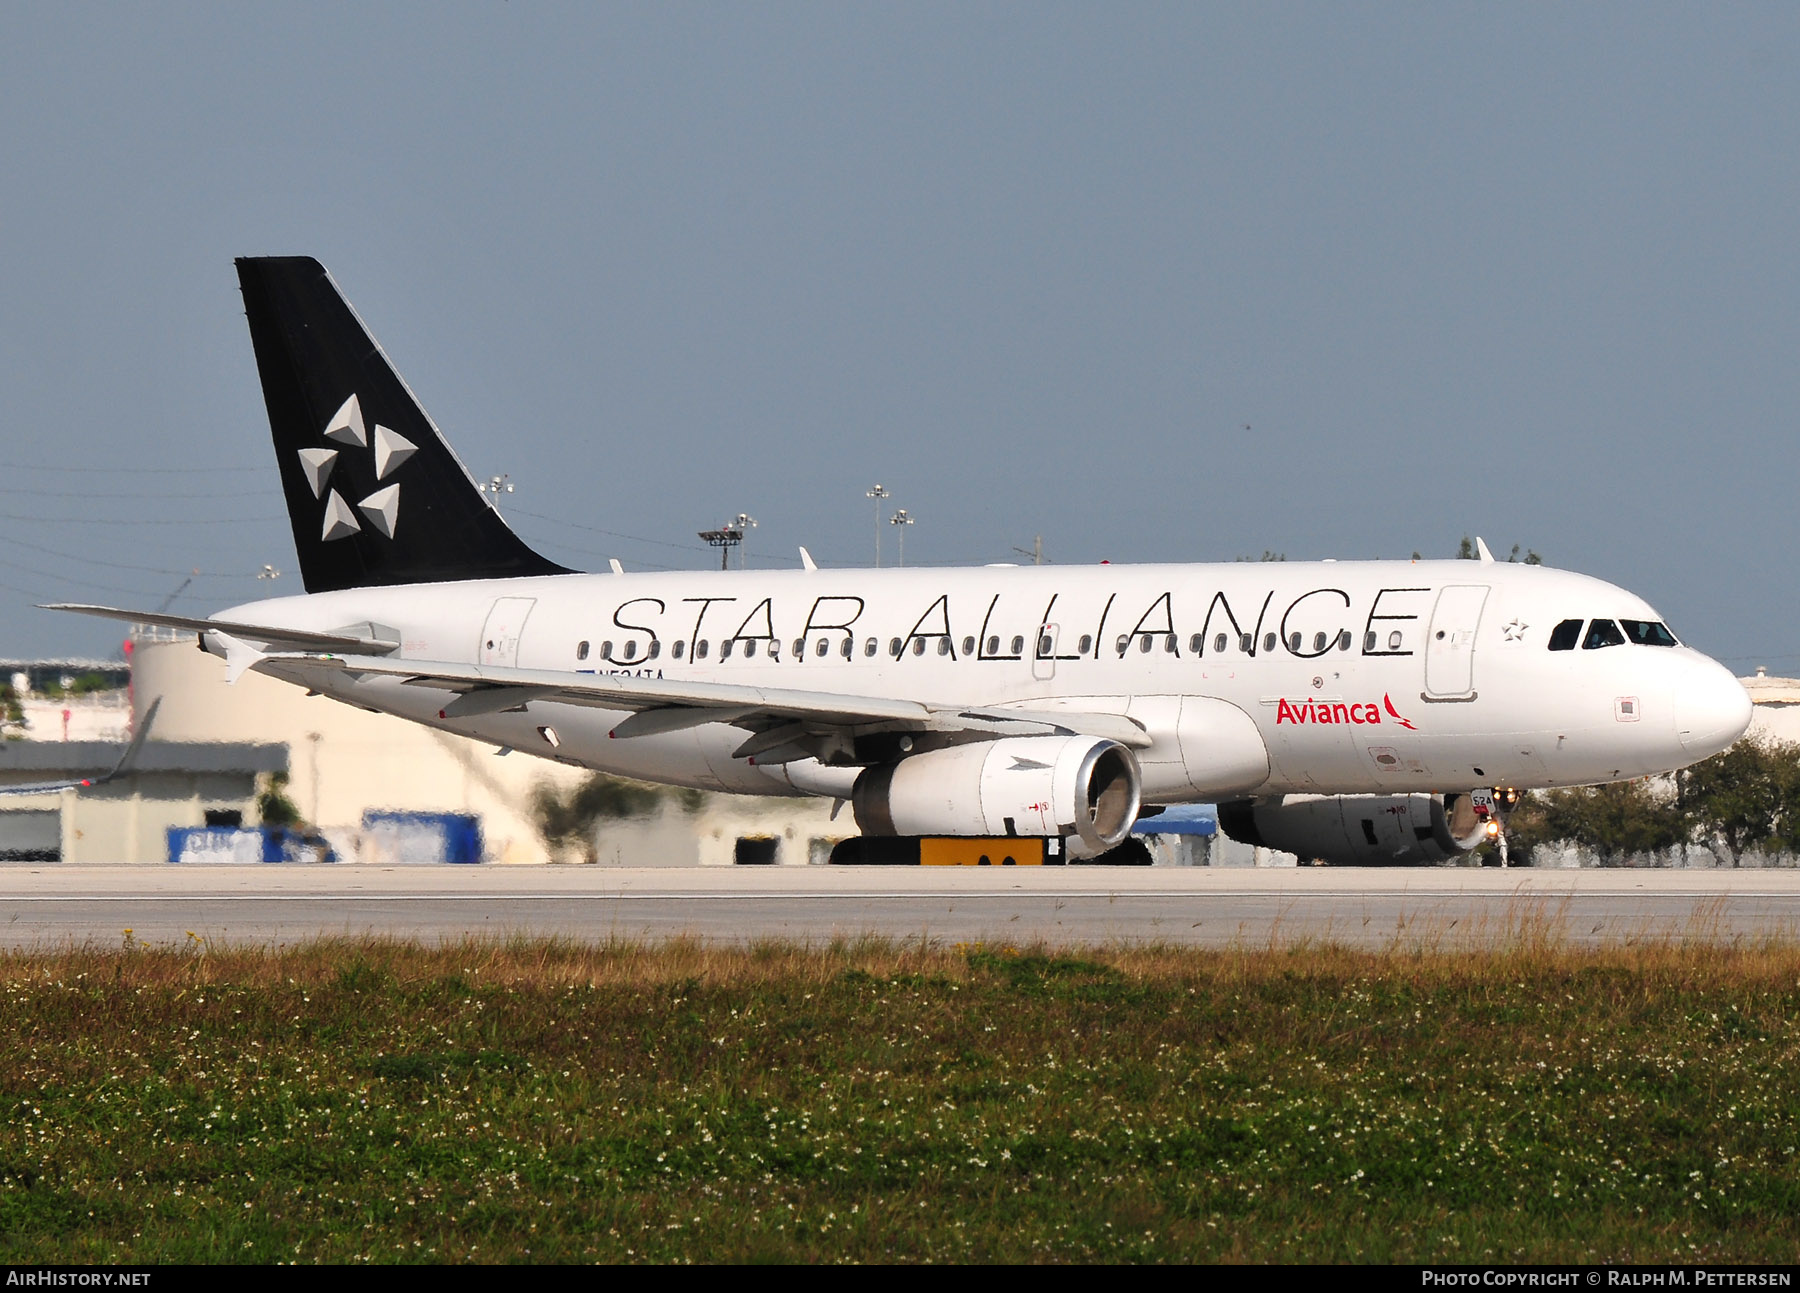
(344,760)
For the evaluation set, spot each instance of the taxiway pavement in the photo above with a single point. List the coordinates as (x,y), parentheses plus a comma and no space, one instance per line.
(56,906)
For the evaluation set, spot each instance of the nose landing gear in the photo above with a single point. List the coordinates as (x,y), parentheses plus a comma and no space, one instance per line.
(1492,808)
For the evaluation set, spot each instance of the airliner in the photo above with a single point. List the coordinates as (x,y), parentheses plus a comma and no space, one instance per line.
(1348,710)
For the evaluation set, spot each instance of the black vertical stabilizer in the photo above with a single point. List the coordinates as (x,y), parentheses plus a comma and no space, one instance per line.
(374,494)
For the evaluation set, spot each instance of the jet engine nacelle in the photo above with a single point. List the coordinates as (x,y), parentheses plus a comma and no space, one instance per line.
(1358,830)
(1022,785)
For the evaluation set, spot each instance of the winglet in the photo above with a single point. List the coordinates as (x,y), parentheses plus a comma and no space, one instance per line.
(617,569)
(806,561)
(1481,549)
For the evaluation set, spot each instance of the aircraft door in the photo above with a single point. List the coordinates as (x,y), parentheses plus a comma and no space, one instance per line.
(1043,655)
(505,625)
(1450,643)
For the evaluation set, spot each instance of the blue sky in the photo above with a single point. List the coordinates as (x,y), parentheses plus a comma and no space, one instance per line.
(1155,282)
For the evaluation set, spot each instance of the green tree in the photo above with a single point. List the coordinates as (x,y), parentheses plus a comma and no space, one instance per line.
(1466,551)
(566,819)
(273,805)
(1744,799)
(1618,821)
(12,713)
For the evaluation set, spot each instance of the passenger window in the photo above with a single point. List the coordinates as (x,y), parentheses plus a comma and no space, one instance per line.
(1602,633)
(1294,643)
(1045,646)
(581,650)
(1394,640)
(943,646)
(1268,642)
(606,650)
(993,647)
(1018,646)
(656,648)
(1369,641)
(1648,633)
(749,647)
(894,647)
(968,646)
(1086,644)
(799,648)
(678,648)
(774,648)
(1195,642)
(869,647)
(1219,644)
(629,651)
(1319,641)
(918,646)
(1344,640)
(1246,643)
(1565,635)
(701,648)
(725,648)
(822,648)
(1124,641)
(848,646)
(1144,641)
(1169,644)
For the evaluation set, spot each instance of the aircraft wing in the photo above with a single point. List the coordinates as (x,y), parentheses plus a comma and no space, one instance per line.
(126,762)
(776,716)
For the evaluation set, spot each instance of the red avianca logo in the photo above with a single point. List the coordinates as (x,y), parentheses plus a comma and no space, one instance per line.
(1337,711)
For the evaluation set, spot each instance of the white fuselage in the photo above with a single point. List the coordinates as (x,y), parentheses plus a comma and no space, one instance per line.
(1358,677)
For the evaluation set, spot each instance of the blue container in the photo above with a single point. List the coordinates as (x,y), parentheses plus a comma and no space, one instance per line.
(221,845)
(236,846)
(392,838)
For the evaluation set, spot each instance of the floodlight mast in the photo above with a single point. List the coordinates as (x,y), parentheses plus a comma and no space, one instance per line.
(901,520)
(878,494)
(743,524)
(724,539)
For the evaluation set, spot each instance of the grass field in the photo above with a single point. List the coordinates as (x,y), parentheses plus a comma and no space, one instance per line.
(547,1102)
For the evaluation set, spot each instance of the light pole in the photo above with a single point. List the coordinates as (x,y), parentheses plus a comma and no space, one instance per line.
(497,486)
(878,493)
(743,525)
(901,519)
(724,539)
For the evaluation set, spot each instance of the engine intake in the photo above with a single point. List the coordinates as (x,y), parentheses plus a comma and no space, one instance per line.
(1024,785)
(1358,830)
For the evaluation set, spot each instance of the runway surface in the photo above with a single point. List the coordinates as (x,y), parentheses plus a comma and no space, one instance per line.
(53,906)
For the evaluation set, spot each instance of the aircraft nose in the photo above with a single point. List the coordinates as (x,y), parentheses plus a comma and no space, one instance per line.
(1712,710)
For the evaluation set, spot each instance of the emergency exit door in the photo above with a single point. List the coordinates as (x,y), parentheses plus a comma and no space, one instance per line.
(505,625)
(1450,642)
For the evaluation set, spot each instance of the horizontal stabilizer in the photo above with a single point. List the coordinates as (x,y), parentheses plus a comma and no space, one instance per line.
(267,634)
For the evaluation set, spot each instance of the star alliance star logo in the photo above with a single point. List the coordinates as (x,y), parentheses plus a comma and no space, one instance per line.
(381,510)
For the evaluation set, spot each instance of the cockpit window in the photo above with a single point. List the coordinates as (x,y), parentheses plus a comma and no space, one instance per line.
(1565,635)
(1602,633)
(1648,633)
